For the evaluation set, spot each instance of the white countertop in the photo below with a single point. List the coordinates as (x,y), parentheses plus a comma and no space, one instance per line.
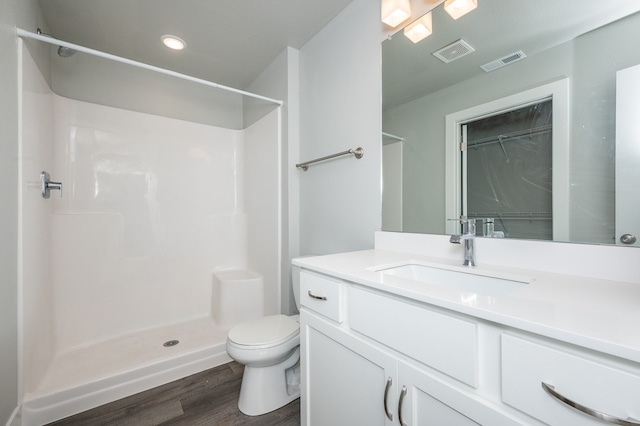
(593,313)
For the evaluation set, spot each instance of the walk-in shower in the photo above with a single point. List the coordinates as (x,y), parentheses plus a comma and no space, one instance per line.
(117,275)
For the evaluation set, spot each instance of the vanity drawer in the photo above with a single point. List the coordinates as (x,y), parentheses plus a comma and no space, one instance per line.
(585,381)
(441,341)
(322,294)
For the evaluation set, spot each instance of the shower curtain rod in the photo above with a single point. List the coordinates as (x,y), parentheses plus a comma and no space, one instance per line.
(55,41)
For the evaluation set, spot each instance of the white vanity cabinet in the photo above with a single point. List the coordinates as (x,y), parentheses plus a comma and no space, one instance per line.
(356,369)
(348,381)
(371,357)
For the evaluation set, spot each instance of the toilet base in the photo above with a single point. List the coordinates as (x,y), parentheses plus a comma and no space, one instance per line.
(264,389)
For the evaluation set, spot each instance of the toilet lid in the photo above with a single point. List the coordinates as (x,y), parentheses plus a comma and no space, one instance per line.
(271,330)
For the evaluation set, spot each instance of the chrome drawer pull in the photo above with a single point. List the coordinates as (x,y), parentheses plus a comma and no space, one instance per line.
(402,395)
(593,413)
(313,296)
(386,395)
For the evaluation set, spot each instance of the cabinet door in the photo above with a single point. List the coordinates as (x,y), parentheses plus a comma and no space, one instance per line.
(432,401)
(344,380)
(418,405)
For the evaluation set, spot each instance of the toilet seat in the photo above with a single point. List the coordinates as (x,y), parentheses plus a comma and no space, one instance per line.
(263,333)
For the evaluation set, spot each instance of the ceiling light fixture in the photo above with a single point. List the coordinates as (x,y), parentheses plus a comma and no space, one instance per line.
(458,8)
(173,42)
(394,12)
(420,29)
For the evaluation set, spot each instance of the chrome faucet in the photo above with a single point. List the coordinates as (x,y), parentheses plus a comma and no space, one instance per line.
(468,236)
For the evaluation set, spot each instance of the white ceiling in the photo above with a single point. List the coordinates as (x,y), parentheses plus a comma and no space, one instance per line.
(231,41)
(495,29)
(228,41)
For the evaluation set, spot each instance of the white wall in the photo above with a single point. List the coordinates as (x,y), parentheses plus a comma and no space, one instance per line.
(262,195)
(340,77)
(280,80)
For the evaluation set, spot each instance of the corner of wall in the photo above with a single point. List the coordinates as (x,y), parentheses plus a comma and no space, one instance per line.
(279,80)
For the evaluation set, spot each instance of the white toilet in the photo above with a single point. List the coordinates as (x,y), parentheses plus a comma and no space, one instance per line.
(269,348)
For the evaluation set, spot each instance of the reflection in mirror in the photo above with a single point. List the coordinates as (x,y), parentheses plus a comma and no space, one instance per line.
(509,172)
(583,42)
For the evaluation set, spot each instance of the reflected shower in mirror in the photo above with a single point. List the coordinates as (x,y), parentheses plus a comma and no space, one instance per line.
(583,43)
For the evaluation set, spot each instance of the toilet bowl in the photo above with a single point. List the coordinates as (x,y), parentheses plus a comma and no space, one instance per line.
(269,348)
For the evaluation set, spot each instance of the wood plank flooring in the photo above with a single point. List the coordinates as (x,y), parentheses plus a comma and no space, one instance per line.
(203,399)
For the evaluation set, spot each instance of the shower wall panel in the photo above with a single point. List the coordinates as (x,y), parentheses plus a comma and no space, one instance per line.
(151,206)
(262,183)
(34,255)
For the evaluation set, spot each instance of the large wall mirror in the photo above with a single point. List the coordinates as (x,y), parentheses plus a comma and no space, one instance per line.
(523,128)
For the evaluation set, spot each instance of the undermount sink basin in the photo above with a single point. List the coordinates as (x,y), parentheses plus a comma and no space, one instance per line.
(461,279)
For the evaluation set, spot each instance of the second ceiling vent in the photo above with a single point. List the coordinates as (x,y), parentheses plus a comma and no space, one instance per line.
(505,60)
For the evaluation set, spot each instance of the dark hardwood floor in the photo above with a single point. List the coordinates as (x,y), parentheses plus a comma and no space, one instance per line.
(206,398)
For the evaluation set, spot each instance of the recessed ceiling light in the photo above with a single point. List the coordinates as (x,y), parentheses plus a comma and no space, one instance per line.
(173,42)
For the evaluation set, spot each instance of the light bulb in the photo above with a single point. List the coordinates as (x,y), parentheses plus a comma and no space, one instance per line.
(173,42)
(458,8)
(420,29)
(394,12)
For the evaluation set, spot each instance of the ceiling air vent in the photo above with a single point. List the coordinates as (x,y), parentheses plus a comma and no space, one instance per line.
(453,51)
(499,63)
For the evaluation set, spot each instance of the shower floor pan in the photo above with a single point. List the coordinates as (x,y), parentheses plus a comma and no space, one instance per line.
(106,371)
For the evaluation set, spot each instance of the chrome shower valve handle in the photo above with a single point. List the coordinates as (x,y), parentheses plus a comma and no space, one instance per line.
(46,185)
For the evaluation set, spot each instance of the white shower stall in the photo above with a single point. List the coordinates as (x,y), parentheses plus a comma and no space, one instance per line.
(122,260)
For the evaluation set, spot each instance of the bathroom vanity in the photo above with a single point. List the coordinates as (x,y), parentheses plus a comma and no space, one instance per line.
(391,337)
